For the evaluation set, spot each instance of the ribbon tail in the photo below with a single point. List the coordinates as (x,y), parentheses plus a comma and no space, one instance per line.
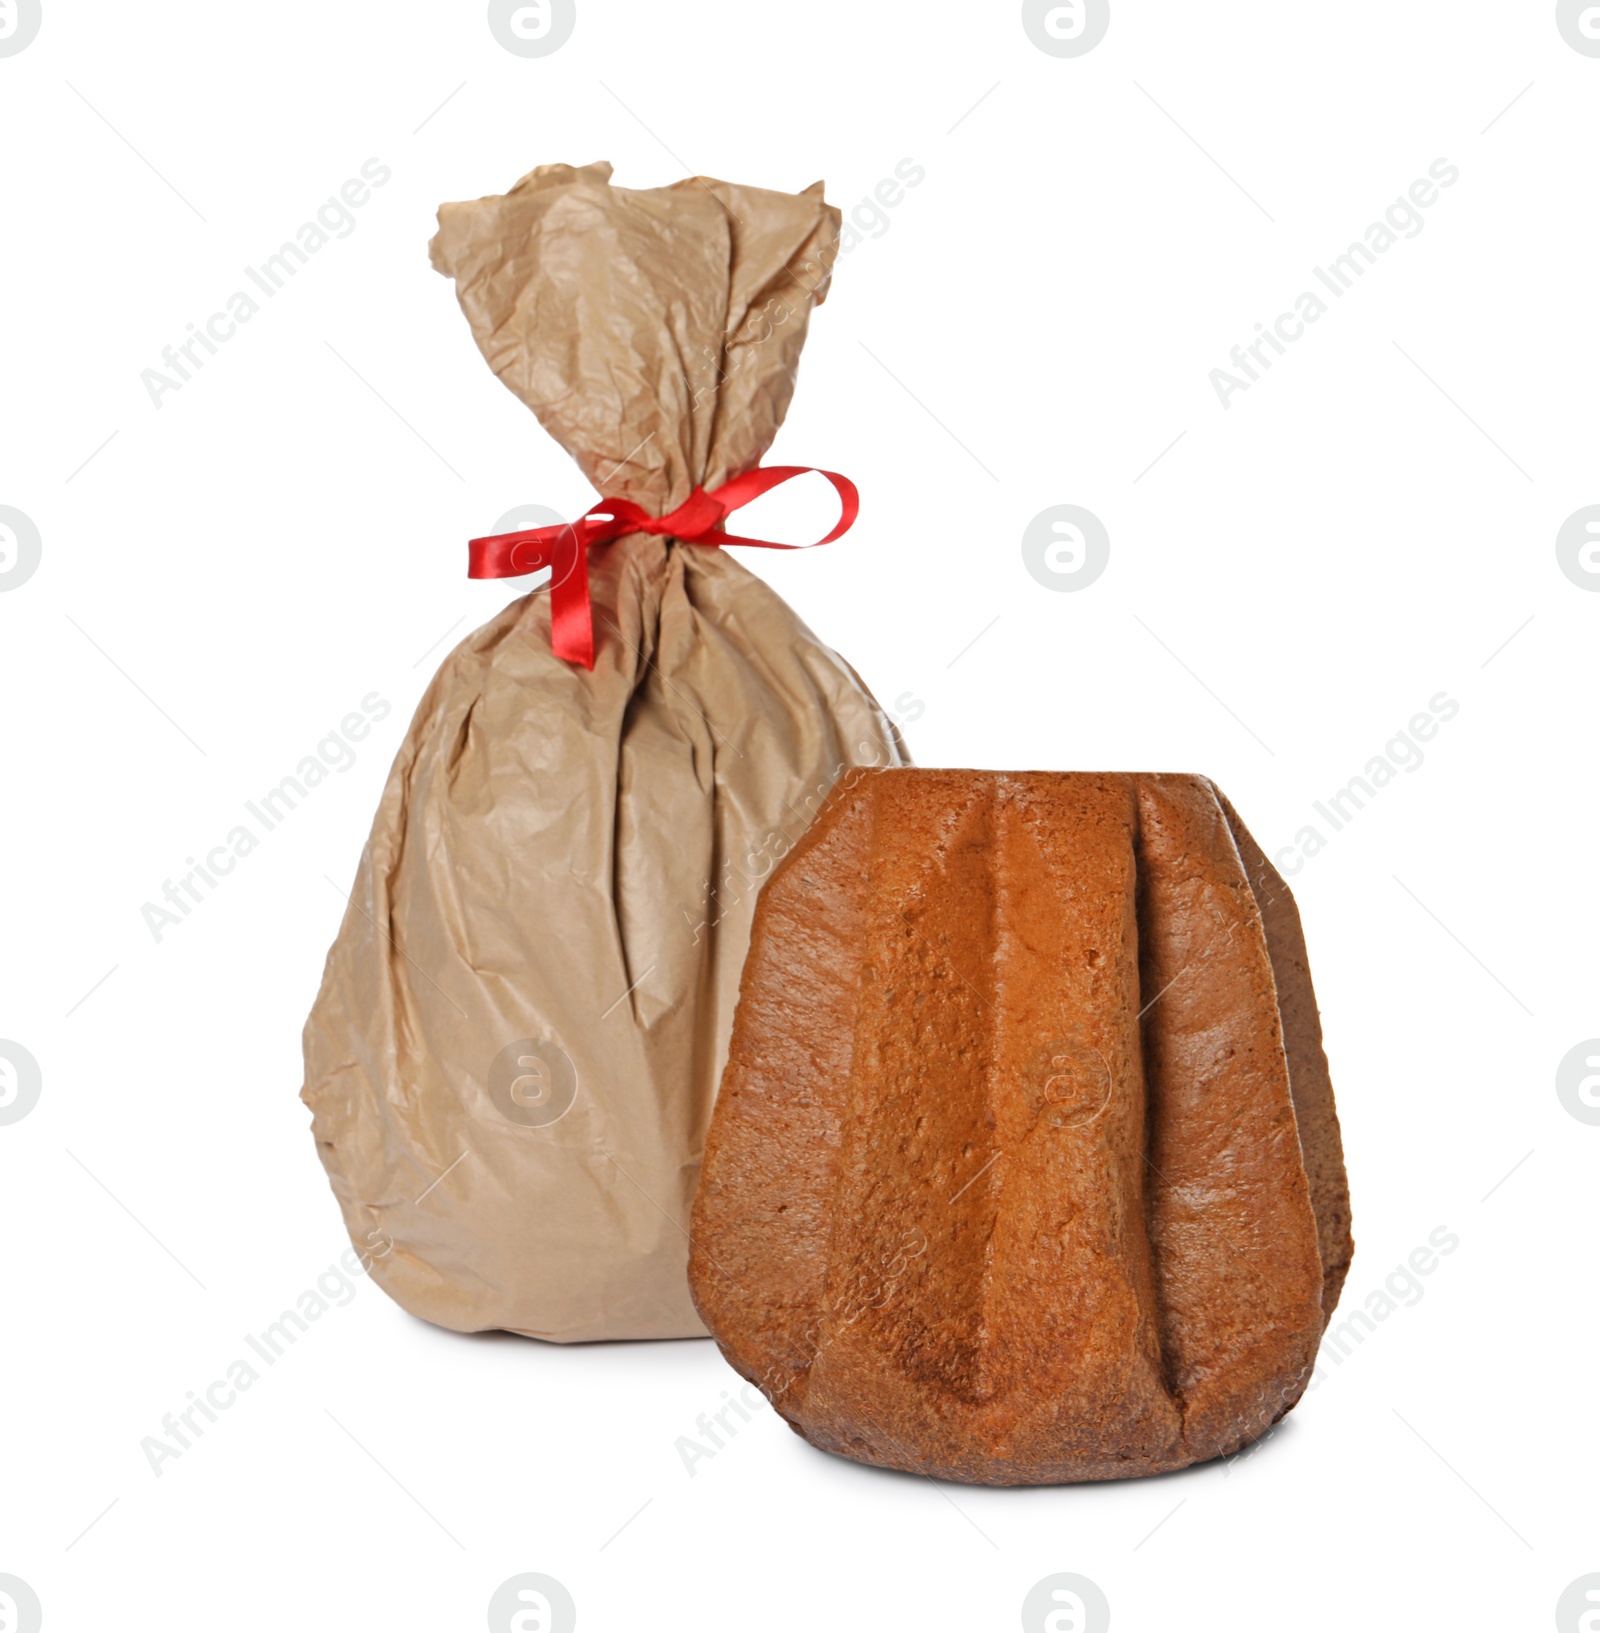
(571,616)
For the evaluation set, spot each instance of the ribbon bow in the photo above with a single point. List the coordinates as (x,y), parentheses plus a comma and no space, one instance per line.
(565,548)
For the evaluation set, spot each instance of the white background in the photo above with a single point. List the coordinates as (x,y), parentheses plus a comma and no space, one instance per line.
(1369,525)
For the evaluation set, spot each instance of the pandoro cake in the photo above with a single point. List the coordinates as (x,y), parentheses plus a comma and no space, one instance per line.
(1025,1166)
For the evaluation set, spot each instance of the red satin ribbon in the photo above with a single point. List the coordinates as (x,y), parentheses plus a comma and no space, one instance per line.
(565,548)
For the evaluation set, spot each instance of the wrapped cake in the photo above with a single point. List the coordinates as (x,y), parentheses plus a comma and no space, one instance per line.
(512,1060)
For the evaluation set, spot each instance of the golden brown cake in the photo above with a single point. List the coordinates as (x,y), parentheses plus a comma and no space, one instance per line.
(1025,1166)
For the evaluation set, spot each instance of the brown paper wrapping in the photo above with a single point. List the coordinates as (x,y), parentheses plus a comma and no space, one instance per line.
(512,1059)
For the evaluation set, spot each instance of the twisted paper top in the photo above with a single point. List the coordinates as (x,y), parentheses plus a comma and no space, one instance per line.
(655,333)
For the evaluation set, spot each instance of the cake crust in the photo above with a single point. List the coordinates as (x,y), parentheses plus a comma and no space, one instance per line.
(1025,1167)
